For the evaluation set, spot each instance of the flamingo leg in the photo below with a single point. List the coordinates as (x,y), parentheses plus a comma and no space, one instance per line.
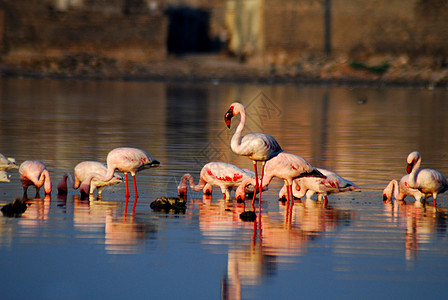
(291,195)
(325,201)
(261,185)
(135,186)
(256,184)
(127,188)
(435,200)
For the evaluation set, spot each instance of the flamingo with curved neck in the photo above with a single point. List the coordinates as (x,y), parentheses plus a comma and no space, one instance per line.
(82,171)
(401,190)
(257,146)
(34,172)
(225,176)
(126,160)
(427,181)
(332,184)
(286,166)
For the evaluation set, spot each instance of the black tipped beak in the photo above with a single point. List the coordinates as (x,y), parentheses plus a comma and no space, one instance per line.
(228,117)
(155,164)
(410,167)
(384,198)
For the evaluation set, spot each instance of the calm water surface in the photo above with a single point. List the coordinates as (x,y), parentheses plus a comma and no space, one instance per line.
(357,247)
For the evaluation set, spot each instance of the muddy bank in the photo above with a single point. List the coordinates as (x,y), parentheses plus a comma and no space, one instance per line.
(393,71)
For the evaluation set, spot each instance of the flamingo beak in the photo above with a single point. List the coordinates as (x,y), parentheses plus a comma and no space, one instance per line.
(155,164)
(228,117)
(410,167)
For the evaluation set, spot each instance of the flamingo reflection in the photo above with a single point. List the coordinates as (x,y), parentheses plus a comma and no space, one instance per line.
(257,247)
(422,223)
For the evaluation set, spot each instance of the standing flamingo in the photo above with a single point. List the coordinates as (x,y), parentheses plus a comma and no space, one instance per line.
(224,175)
(402,189)
(126,160)
(84,169)
(34,172)
(7,163)
(332,184)
(257,146)
(286,166)
(427,181)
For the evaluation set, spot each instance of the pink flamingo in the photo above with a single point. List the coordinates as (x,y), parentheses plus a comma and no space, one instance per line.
(332,184)
(82,170)
(34,172)
(7,163)
(427,181)
(286,166)
(401,189)
(257,146)
(126,160)
(224,175)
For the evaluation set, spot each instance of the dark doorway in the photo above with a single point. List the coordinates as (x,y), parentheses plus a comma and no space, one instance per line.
(188,31)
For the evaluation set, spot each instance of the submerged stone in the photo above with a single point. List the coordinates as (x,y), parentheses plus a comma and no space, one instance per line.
(15,209)
(169,203)
(249,216)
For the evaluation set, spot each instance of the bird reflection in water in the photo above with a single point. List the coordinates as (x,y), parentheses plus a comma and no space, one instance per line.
(256,248)
(122,235)
(422,223)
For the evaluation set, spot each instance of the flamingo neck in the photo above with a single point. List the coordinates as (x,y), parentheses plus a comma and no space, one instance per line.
(195,187)
(414,172)
(45,181)
(235,142)
(86,184)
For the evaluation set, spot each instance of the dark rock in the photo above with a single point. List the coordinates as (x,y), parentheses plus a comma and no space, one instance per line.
(15,209)
(248,216)
(168,204)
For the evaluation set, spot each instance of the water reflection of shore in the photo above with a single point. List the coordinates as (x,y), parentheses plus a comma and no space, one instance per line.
(422,223)
(255,248)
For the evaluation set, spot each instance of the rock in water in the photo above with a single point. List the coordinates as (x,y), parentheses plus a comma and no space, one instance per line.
(15,209)
(249,216)
(169,203)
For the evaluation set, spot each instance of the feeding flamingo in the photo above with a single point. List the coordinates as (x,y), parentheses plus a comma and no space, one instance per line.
(224,175)
(286,166)
(257,146)
(427,181)
(126,160)
(7,163)
(82,171)
(332,184)
(34,172)
(401,189)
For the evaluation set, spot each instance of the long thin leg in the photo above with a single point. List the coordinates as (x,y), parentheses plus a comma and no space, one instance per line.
(435,200)
(135,186)
(127,188)
(261,185)
(256,185)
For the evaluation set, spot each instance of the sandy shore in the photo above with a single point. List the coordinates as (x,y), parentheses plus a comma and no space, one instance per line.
(218,68)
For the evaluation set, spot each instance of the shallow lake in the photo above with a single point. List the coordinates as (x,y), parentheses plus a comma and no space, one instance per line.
(65,247)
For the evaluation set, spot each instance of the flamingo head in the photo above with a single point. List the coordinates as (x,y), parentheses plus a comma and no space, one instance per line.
(412,159)
(228,116)
(182,193)
(62,186)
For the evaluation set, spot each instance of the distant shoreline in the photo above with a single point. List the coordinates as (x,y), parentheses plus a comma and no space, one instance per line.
(219,69)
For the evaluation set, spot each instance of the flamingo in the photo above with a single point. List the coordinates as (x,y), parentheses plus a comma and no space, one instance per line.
(257,146)
(308,186)
(224,175)
(7,163)
(427,181)
(82,170)
(286,166)
(401,189)
(126,160)
(34,172)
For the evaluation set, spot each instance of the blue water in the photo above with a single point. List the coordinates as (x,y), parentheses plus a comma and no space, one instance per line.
(357,247)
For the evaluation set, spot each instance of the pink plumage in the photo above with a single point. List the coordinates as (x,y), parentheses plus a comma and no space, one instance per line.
(286,166)
(256,146)
(223,175)
(126,160)
(82,171)
(332,184)
(34,172)
(427,181)
(401,190)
